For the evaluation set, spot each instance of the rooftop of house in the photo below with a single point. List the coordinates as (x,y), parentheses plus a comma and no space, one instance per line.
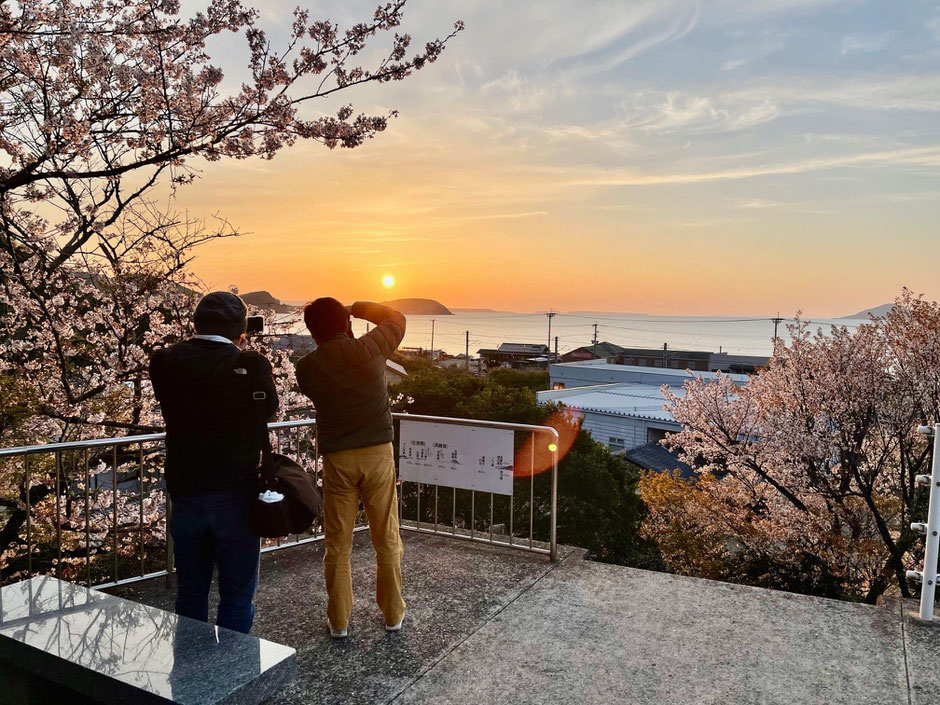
(602,349)
(654,456)
(604,364)
(518,349)
(622,399)
(600,371)
(492,625)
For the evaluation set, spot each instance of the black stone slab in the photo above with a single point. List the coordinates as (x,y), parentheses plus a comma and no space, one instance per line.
(56,637)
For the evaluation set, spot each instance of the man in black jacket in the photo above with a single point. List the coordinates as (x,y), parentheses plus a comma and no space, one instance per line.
(207,388)
(345,379)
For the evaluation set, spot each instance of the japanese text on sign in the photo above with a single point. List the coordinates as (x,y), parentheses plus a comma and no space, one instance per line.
(466,457)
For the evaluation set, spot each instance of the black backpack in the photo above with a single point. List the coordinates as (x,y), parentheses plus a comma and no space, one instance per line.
(301,502)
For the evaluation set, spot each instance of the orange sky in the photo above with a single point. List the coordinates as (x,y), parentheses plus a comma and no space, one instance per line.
(635,168)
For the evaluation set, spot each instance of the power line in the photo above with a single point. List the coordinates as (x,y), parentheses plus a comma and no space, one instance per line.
(677,320)
(654,319)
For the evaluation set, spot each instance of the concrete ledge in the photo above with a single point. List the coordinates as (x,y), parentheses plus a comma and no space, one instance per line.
(922,651)
(593,633)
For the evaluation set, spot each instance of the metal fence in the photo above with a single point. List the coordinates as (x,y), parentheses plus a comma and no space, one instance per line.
(455,513)
(95,511)
(931,530)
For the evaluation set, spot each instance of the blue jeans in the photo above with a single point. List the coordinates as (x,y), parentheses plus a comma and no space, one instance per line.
(214,531)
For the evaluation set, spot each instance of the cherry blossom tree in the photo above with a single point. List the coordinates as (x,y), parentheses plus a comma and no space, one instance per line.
(107,106)
(807,470)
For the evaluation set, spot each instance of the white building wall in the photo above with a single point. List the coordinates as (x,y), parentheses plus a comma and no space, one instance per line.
(569,375)
(633,431)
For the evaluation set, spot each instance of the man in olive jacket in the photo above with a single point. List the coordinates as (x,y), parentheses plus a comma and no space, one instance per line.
(345,379)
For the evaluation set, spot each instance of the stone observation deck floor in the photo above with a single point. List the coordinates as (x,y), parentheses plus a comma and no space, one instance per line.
(492,625)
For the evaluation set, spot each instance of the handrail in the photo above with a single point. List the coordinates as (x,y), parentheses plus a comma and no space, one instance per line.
(136,444)
(80,445)
(274,426)
(477,422)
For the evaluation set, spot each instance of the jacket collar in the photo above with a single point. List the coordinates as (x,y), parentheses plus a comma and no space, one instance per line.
(214,339)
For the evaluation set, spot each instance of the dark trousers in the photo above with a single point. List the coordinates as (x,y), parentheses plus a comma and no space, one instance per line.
(214,531)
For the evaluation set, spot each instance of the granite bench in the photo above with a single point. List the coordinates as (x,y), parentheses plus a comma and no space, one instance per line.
(62,643)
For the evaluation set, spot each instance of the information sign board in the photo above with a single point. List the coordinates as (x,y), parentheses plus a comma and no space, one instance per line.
(451,455)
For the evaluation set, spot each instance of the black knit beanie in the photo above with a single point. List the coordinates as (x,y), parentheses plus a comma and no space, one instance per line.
(221,313)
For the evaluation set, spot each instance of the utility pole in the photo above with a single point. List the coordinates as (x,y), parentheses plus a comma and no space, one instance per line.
(551,315)
(595,335)
(777,320)
(556,348)
(432,340)
(468,350)
(665,347)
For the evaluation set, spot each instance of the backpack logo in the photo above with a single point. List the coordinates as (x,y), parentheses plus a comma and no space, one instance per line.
(240,371)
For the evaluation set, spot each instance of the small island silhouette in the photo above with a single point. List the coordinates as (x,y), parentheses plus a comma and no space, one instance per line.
(419,307)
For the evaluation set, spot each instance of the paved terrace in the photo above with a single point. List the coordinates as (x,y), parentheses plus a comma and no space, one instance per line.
(490,625)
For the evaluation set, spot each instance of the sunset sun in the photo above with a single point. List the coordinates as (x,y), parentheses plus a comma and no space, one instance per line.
(388,281)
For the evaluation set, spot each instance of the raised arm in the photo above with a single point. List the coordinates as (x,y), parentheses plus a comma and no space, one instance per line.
(389,326)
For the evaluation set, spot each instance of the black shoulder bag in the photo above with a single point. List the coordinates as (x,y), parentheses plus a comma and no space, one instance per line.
(288,499)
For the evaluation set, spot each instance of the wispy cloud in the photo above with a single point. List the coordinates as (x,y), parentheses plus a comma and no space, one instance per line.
(508,216)
(734,64)
(928,156)
(650,24)
(864,42)
(676,112)
(932,25)
(760,203)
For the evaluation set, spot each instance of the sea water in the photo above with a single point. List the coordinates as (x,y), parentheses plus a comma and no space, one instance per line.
(744,335)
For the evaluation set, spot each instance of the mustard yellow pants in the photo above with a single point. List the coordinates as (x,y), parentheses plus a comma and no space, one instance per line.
(348,476)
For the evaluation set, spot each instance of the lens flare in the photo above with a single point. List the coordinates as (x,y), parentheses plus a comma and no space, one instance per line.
(537,453)
(388,281)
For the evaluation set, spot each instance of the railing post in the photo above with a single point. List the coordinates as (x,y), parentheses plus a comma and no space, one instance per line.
(140,490)
(169,543)
(114,511)
(553,537)
(932,547)
(29,512)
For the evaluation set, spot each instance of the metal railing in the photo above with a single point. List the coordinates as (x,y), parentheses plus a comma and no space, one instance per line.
(491,532)
(931,530)
(94,511)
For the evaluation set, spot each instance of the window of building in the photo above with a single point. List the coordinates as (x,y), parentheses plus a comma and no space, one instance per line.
(655,434)
(658,363)
(642,362)
(616,445)
(558,385)
(674,363)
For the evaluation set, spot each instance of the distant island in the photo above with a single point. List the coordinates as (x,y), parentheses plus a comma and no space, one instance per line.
(419,307)
(263,299)
(876,311)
